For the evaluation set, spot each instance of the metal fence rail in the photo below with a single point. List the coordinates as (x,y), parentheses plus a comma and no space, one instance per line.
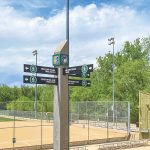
(122,145)
(87,119)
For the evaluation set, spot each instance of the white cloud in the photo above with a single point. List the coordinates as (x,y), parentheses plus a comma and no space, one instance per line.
(90,27)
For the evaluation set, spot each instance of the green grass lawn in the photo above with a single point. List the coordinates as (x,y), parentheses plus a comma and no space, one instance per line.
(5,119)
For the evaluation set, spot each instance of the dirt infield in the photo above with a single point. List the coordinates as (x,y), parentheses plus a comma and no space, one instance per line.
(28,133)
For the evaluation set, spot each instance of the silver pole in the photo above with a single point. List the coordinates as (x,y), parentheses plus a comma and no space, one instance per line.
(113,87)
(128,118)
(112,42)
(107,124)
(35,97)
(67,38)
(36,92)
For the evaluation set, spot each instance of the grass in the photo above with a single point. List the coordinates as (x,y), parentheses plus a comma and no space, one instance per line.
(5,119)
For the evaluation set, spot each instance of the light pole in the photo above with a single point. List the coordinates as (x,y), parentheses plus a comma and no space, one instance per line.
(35,101)
(112,42)
(67,38)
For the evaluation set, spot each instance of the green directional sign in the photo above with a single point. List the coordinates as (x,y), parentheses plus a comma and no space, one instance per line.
(33,79)
(33,69)
(40,69)
(79,71)
(39,80)
(84,83)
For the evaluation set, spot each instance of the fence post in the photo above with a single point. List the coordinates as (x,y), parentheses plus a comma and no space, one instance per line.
(14,139)
(88,129)
(78,112)
(128,118)
(107,123)
(116,115)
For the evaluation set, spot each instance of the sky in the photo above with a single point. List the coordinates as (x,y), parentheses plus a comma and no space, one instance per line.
(28,25)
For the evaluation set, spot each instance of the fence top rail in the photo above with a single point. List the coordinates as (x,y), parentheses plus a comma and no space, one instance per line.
(103,101)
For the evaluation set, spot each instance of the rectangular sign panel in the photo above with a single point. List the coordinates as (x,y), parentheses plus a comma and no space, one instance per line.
(84,83)
(40,80)
(40,69)
(79,71)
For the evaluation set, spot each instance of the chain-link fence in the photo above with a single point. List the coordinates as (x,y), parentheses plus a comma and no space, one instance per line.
(21,126)
(97,121)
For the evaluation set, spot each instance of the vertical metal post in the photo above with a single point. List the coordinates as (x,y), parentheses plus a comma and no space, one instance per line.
(61,97)
(116,115)
(113,88)
(36,92)
(14,126)
(78,113)
(67,38)
(42,127)
(112,42)
(128,118)
(107,123)
(35,101)
(88,129)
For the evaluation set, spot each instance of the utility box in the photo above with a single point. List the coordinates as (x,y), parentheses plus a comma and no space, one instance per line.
(144,115)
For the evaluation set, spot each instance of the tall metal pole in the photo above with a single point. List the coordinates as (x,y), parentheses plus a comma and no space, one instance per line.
(36,91)
(113,86)
(61,95)
(67,39)
(112,42)
(35,101)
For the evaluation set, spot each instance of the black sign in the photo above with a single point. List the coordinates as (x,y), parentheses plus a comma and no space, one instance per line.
(40,69)
(79,71)
(84,83)
(39,80)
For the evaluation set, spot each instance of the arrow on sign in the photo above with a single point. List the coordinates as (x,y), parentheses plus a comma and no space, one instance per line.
(26,68)
(26,79)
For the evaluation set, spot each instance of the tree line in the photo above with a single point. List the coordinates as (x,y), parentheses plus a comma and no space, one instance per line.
(132,74)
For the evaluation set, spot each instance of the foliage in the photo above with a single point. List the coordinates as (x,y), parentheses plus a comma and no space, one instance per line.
(132,73)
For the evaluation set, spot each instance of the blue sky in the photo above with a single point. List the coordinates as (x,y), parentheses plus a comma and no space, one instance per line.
(26,25)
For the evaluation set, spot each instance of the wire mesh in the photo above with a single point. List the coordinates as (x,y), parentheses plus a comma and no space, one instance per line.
(21,126)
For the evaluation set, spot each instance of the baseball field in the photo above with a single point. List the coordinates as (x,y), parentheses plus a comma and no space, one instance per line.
(35,132)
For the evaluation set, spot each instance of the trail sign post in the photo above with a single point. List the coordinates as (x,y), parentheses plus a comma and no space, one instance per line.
(61,102)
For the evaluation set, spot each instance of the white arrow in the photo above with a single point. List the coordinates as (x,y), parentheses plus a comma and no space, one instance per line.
(90,68)
(26,79)
(26,68)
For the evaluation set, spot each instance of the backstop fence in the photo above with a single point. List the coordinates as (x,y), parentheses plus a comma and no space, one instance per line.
(90,121)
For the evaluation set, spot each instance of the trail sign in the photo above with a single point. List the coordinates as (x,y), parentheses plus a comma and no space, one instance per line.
(40,69)
(84,83)
(79,71)
(60,60)
(39,80)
